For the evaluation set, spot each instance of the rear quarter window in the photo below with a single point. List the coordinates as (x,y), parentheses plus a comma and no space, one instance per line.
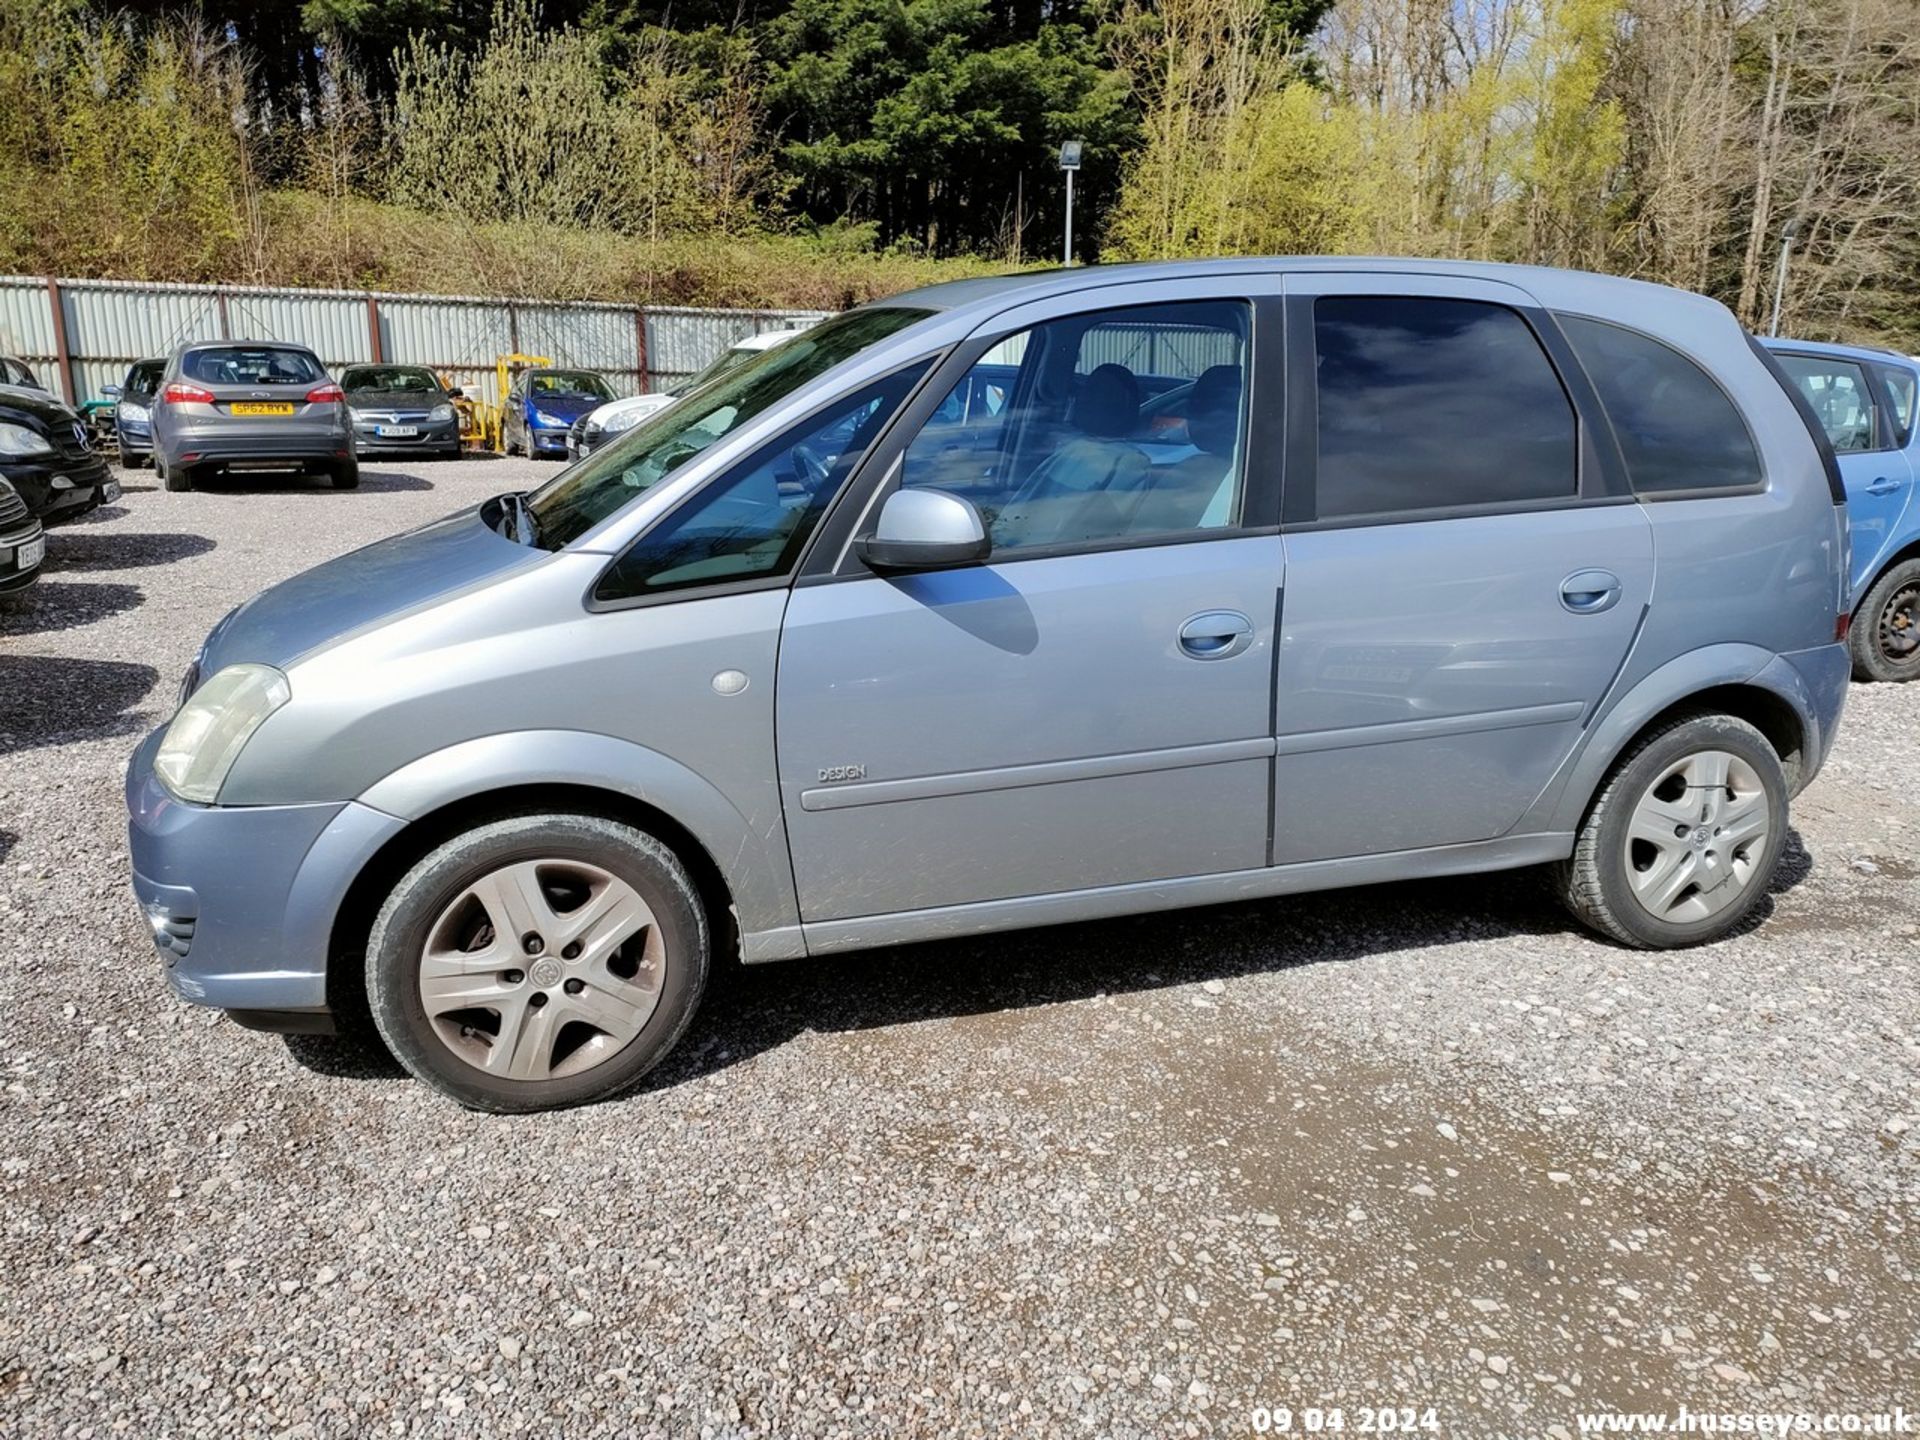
(1678,431)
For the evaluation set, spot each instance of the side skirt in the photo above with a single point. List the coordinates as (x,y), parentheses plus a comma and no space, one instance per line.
(1069,907)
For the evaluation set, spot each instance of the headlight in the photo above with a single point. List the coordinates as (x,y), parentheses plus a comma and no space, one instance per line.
(625,420)
(551,422)
(210,730)
(130,411)
(440,412)
(18,440)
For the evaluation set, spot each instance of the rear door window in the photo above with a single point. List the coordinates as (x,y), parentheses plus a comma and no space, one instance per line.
(1902,385)
(251,365)
(1430,403)
(1676,427)
(1840,395)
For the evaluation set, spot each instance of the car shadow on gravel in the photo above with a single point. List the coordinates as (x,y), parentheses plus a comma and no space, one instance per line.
(748,1010)
(53,701)
(63,604)
(275,482)
(8,839)
(119,551)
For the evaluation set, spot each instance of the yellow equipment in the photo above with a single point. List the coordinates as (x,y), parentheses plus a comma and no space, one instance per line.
(482,426)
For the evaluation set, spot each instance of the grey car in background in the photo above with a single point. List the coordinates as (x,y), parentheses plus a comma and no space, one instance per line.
(1410,584)
(133,402)
(250,405)
(399,409)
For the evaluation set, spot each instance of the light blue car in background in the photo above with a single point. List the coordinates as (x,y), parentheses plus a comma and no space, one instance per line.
(1866,401)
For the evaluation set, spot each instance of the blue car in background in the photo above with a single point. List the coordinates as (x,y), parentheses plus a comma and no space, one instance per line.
(542,405)
(133,411)
(1867,401)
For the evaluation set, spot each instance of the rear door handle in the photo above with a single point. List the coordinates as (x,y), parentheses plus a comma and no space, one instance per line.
(1216,635)
(1885,485)
(1588,592)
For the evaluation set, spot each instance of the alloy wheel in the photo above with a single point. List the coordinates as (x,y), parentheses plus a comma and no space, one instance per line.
(1696,835)
(542,969)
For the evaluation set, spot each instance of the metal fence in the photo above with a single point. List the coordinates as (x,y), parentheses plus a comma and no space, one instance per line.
(81,335)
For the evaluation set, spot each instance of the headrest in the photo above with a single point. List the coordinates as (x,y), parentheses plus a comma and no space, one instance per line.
(1213,410)
(1108,403)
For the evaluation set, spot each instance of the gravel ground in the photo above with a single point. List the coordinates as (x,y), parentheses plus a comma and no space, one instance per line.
(1429,1145)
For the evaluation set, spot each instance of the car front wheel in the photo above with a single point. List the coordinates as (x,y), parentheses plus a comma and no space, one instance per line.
(538,961)
(1684,836)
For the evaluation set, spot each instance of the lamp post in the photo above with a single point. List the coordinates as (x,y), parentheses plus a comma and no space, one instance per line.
(1787,233)
(1069,162)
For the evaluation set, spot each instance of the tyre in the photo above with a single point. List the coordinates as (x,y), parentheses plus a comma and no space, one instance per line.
(537,962)
(1684,836)
(175,478)
(131,460)
(1885,638)
(344,474)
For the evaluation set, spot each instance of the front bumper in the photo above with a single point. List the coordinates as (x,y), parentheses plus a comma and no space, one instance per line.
(436,435)
(60,487)
(547,442)
(133,438)
(241,900)
(13,576)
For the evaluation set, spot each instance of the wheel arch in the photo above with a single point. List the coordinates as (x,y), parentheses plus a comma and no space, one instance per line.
(1909,551)
(738,862)
(1744,681)
(353,920)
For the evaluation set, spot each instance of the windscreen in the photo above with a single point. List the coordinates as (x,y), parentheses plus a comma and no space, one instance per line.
(571,382)
(611,478)
(391,379)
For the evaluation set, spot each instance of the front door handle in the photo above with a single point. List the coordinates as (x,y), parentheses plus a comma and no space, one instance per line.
(1216,635)
(1885,485)
(1588,592)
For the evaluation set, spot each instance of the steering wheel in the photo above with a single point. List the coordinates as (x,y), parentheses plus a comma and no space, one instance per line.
(812,469)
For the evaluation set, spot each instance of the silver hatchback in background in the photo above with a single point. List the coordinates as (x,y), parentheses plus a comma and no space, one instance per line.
(250,405)
(1012,602)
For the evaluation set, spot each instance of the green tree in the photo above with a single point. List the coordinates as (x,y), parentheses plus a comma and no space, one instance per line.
(916,116)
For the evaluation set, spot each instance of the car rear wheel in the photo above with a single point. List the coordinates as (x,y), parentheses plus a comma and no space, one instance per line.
(344,474)
(537,962)
(175,478)
(1886,628)
(1684,836)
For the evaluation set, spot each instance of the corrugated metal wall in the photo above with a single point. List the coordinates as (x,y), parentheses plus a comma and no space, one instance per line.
(109,324)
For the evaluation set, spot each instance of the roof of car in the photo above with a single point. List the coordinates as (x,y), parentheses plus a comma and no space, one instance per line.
(1828,347)
(767,339)
(1570,289)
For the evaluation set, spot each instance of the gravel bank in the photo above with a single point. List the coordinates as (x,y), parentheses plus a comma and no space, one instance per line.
(1426,1146)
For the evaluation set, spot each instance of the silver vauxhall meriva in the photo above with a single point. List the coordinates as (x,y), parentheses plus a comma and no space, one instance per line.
(1012,602)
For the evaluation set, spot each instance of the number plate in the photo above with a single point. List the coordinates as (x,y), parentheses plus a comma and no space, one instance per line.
(30,554)
(397,432)
(109,492)
(262,407)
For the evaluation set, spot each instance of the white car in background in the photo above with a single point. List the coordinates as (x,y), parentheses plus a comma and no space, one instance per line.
(615,418)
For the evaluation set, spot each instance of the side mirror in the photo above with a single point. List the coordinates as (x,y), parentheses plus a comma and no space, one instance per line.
(924,530)
(456,393)
(112,392)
